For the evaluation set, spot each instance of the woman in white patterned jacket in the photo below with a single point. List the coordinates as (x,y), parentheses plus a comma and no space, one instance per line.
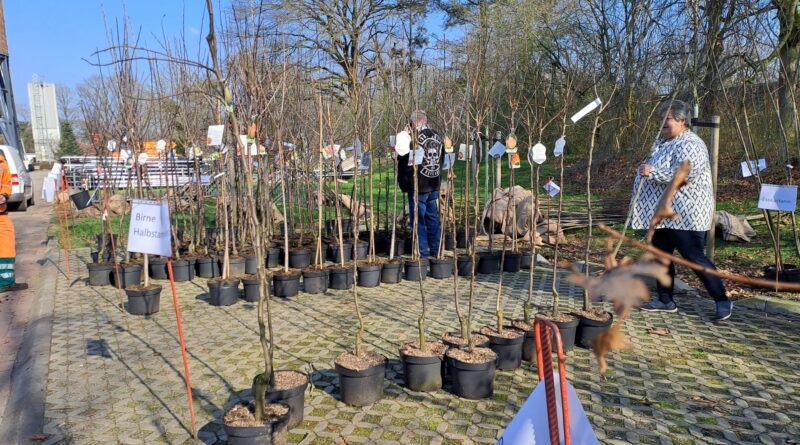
(694,202)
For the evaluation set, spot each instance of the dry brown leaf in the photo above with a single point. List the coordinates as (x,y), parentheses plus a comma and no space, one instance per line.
(611,340)
(340,441)
(658,331)
(646,402)
(38,437)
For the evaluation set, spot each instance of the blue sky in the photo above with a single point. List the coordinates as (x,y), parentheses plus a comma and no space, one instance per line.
(52,37)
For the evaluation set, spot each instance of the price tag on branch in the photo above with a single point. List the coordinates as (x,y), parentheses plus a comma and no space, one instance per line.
(552,188)
(214,136)
(749,169)
(464,153)
(513,160)
(498,149)
(537,154)
(558,148)
(585,110)
(148,231)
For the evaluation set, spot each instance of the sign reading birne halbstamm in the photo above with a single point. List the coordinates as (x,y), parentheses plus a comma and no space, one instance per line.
(778,197)
(148,231)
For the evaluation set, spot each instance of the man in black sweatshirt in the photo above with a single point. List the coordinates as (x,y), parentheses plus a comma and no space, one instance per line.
(428,178)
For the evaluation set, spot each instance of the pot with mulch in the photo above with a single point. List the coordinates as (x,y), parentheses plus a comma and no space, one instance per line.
(290,387)
(181,270)
(236,265)
(315,281)
(100,273)
(361,378)
(242,427)
(273,257)
(207,267)
(251,283)
(144,300)
(526,259)
(789,273)
(299,258)
(392,271)
(422,370)
(369,274)
(223,292)
(488,263)
(512,262)
(453,340)
(334,252)
(340,277)
(529,344)
(464,265)
(158,268)
(362,250)
(472,373)
(567,327)
(441,268)
(506,344)
(250,264)
(449,242)
(591,324)
(286,284)
(129,275)
(416,270)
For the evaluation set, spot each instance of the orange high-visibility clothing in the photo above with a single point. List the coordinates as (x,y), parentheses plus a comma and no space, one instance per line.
(7,247)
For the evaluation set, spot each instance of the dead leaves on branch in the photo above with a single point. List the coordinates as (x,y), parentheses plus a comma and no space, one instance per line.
(664,209)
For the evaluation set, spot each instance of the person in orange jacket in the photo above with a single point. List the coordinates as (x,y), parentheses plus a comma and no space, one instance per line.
(8,251)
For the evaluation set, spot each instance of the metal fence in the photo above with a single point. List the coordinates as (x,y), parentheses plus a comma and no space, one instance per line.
(90,171)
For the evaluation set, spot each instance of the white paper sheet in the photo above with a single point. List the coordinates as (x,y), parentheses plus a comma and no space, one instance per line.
(537,154)
(749,169)
(149,228)
(586,110)
(464,153)
(778,197)
(403,143)
(497,150)
(214,136)
(552,188)
(558,148)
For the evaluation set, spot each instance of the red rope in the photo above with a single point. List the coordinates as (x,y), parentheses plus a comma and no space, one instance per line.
(183,347)
(544,360)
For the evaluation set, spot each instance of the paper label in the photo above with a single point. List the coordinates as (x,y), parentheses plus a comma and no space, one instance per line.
(585,110)
(111,145)
(403,143)
(778,197)
(497,150)
(148,231)
(552,188)
(513,160)
(214,136)
(463,153)
(449,160)
(161,145)
(750,169)
(558,148)
(537,154)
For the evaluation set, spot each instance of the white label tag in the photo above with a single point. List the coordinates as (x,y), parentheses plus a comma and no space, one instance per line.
(558,148)
(778,197)
(463,153)
(552,188)
(749,169)
(586,110)
(537,154)
(148,231)
(403,143)
(214,136)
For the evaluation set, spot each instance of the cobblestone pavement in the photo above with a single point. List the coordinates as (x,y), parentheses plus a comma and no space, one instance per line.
(117,378)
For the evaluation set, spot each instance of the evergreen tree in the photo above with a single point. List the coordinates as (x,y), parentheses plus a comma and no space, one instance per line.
(69,144)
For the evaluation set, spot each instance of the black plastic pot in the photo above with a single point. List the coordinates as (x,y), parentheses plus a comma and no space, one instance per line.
(482,344)
(315,281)
(333,252)
(790,273)
(464,266)
(129,275)
(158,268)
(471,380)
(589,328)
(299,258)
(461,237)
(294,398)
(192,267)
(508,350)
(207,267)
(362,250)
(273,257)
(286,285)
(369,276)
(449,242)
(144,301)
(488,263)
(529,346)
(390,273)
(224,292)
(383,245)
(333,229)
(250,264)
(441,268)
(181,270)
(251,289)
(100,273)
(568,330)
(80,199)
(512,262)
(416,270)
(267,434)
(340,277)
(422,373)
(526,260)
(361,388)
(236,265)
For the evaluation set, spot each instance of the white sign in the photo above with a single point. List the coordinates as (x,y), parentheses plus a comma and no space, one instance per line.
(552,188)
(497,150)
(530,426)
(558,148)
(537,154)
(161,145)
(586,110)
(214,136)
(142,158)
(449,160)
(148,231)
(749,169)
(419,155)
(111,145)
(778,197)
(463,153)
(403,143)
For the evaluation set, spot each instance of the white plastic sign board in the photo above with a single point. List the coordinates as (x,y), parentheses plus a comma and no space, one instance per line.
(148,231)
(529,426)
(161,145)
(111,145)
(498,149)
(419,155)
(214,136)
(552,188)
(463,153)
(778,197)
(558,148)
(748,169)
(537,154)
(403,143)
(586,110)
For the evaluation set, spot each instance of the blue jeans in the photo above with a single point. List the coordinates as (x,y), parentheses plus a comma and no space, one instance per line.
(691,245)
(428,223)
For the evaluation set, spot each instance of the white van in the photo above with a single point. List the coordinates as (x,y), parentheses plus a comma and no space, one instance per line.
(21,183)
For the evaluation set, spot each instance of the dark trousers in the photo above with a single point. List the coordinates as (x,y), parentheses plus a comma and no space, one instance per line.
(691,245)
(427,222)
